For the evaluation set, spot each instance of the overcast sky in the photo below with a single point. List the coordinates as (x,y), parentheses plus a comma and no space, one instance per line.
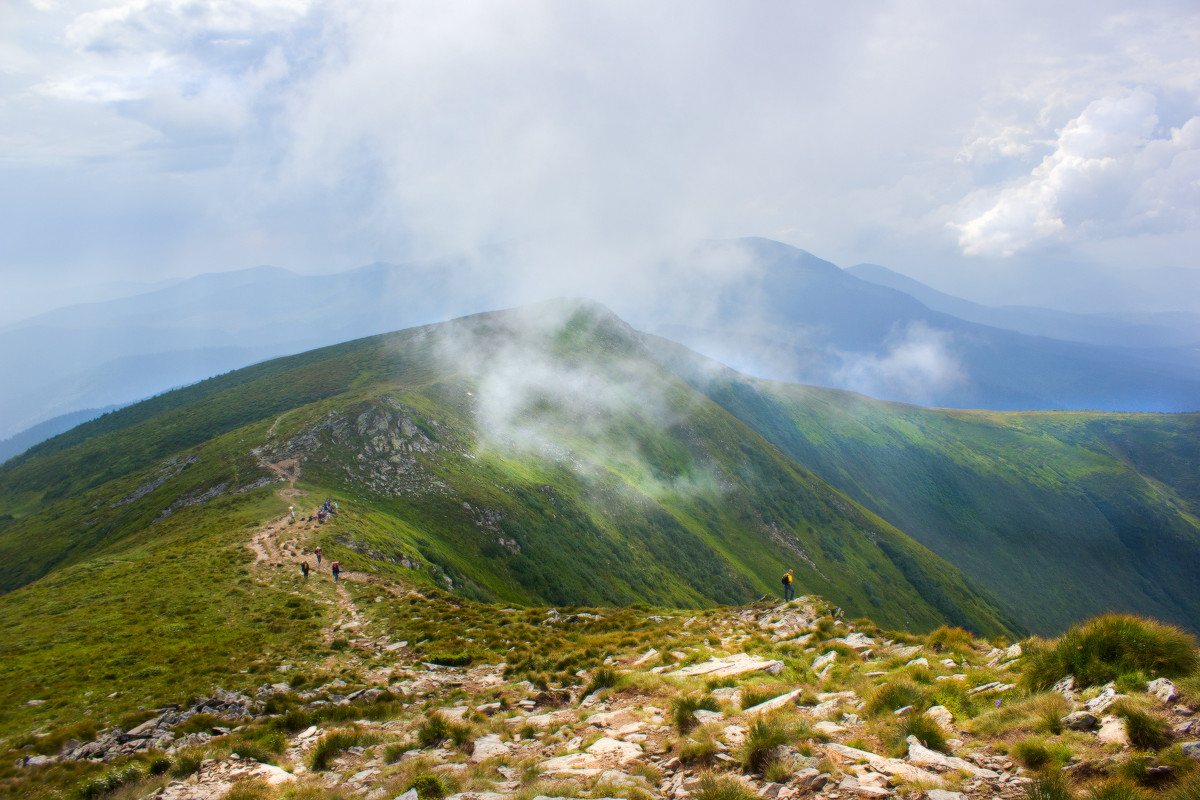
(1008,152)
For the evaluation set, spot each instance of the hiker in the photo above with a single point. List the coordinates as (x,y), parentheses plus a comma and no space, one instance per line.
(788,591)
(292,512)
(304,569)
(318,556)
(337,569)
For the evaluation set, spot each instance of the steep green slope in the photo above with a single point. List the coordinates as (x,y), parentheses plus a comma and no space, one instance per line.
(527,456)
(1062,515)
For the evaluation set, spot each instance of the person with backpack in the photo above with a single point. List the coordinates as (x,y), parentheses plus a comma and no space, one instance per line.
(336,567)
(318,556)
(304,569)
(788,591)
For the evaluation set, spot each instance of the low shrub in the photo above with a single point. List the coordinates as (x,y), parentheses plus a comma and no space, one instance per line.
(186,764)
(1108,647)
(339,644)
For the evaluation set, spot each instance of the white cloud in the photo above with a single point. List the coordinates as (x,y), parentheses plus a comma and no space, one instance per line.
(1111,173)
(919,364)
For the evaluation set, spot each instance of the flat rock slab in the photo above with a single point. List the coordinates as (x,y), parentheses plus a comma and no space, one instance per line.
(774,703)
(572,762)
(888,766)
(489,746)
(615,748)
(729,666)
(920,754)
(1112,731)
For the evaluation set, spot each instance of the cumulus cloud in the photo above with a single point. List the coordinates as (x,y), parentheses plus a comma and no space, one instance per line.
(1111,173)
(919,363)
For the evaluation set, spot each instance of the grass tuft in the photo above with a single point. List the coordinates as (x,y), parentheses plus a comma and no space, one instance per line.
(1105,648)
(763,737)
(683,710)
(1049,786)
(723,788)
(334,743)
(1145,730)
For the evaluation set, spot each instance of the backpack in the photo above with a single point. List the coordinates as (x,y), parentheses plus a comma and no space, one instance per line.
(785,580)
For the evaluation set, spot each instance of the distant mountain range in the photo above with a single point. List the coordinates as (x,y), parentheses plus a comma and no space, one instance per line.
(763,307)
(554,454)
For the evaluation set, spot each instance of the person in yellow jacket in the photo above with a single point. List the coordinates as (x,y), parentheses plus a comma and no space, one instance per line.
(788,591)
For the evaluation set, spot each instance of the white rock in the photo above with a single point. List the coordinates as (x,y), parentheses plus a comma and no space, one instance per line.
(942,716)
(615,748)
(774,703)
(489,746)
(821,661)
(1112,731)
(920,754)
(1163,689)
(1100,703)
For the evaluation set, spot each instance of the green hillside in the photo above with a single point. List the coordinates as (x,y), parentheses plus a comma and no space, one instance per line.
(526,456)
(1062,515)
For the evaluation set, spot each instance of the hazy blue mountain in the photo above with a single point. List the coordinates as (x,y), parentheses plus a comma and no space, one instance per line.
(1142,330)
(760,306)
(15,445)
(119,351)
(794,317)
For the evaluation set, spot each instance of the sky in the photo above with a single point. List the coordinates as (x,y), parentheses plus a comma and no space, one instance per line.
(1018,152)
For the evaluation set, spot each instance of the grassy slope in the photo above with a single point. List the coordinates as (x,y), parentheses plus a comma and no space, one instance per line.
(106,591)
(1062,515)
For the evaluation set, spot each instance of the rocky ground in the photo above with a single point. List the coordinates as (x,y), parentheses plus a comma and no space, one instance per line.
(775,700)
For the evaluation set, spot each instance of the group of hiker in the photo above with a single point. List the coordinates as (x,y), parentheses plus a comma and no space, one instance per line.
(334,566)
(327,508)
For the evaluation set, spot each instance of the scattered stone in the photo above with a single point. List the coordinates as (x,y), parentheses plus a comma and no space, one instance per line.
(1079,721)
(1066,687)
(1163,689)
(1191,750)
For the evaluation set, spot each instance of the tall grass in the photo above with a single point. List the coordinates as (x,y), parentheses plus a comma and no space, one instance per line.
(1107,647)
(334,743)
(683,710)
